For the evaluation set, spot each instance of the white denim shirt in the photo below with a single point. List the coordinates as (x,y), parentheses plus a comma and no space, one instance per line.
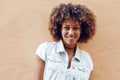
(56,62)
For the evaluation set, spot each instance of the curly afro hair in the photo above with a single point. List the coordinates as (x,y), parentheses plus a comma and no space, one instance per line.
(81,13)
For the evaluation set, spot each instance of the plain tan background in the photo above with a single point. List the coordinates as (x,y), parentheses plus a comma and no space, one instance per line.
(24,25)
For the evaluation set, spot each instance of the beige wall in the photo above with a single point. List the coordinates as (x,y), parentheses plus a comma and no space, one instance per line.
(23,26)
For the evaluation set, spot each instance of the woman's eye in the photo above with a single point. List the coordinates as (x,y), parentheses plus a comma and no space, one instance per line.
(76,28)
(66,28)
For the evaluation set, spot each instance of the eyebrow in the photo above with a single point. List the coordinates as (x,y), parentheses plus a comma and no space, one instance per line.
(77,25)
(74,25)
(66,24)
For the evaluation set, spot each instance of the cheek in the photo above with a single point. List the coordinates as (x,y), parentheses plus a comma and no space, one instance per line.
(63,32)
(78,32)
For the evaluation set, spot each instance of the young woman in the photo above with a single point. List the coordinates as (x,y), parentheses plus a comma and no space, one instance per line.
(62,59)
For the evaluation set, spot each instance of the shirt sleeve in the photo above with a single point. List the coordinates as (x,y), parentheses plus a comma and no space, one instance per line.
(41,51)
(89,65)
(89,60)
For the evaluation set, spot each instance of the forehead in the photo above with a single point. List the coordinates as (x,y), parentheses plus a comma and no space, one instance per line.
(71,21)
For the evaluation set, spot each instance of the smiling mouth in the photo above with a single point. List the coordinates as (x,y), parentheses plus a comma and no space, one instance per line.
(70,38)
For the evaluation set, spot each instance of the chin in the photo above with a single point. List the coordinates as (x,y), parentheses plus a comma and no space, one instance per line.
(71,43)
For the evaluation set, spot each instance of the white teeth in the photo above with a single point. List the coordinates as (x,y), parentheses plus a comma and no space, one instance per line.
(70,38)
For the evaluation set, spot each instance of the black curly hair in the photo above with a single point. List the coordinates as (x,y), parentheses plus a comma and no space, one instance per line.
(81,13)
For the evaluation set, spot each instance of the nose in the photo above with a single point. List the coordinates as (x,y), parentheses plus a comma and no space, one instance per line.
(71,32)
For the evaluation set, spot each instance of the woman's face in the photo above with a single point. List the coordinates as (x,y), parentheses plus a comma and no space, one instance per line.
(70,32)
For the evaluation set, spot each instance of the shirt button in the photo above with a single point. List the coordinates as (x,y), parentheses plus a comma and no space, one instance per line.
(84,69)
(73,67)
(73,78)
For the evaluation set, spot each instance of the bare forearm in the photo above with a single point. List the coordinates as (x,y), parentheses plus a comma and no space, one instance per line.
(39,69)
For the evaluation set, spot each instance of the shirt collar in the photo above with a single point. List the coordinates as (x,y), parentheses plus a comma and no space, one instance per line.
(77,54)
(60,48)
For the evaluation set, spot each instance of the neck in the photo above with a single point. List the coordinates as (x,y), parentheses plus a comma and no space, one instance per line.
(70,51)
(69,48)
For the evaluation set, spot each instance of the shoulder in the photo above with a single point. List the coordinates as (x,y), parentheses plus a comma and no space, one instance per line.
(84,53)
(87,58)
(46,45)
(43,48)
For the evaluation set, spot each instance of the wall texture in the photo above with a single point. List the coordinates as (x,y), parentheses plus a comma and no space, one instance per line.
(24,25)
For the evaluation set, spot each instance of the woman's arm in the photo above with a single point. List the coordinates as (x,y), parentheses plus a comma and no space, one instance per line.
(39,68)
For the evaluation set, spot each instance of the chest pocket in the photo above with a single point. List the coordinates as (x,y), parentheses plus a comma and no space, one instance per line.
(83,70)
(54,63)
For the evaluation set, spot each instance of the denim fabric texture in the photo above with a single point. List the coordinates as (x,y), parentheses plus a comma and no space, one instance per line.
(56,62)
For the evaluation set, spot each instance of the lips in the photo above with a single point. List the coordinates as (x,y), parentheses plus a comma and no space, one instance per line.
(71,39)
